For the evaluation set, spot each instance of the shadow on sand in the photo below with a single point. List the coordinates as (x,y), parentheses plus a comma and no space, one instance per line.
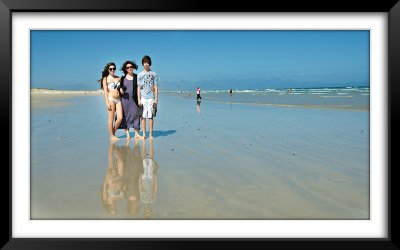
(156,133)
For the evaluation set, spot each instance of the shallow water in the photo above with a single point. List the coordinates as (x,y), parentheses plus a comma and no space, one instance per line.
(210,160)
(351,98)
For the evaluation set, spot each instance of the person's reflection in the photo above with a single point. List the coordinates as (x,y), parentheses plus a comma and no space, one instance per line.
(132,174)
(112,185)
(122,176)
(148,179)
(198,106)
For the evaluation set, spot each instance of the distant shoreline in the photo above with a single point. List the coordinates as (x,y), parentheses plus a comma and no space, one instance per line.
(44,91)
(65,92)
(56,91)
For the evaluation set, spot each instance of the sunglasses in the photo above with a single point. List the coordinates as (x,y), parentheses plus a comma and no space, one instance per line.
(111,68)
(129,67)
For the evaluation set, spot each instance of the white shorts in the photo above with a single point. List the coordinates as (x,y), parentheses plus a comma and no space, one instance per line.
(147,108)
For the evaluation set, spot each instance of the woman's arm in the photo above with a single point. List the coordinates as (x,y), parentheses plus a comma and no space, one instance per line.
(121,89)
(138,95)
(108,105)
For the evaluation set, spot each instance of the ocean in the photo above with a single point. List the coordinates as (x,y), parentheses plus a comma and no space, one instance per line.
(356,98)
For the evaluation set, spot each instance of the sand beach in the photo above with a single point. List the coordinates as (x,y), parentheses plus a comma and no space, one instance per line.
(252,155)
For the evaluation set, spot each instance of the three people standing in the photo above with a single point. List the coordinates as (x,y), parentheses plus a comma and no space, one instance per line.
(126,96)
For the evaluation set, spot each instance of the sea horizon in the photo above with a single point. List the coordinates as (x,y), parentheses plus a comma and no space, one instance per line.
(226,89)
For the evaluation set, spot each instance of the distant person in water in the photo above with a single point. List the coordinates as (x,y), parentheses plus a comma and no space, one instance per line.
(110,83)
(198,93)
(230,92)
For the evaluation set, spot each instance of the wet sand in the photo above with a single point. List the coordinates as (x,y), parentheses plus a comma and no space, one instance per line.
(210,160)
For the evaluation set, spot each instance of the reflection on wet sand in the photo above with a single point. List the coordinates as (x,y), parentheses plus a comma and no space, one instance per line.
(198,106)
(131,176)
(148,179)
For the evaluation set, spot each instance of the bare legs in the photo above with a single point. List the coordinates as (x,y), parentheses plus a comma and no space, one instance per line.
(119,116)
(115,108)
(150,128)
(111,114)
(137,134)
(144,128)
(128,136)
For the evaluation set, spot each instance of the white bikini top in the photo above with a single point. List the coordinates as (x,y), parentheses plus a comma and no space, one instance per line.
(112,85)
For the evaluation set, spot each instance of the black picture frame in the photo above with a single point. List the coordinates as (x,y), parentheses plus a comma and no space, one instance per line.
(8,7)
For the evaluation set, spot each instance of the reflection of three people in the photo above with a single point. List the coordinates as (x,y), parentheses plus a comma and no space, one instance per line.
(131,176)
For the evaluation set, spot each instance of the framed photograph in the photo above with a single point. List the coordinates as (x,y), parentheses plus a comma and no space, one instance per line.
(341,199)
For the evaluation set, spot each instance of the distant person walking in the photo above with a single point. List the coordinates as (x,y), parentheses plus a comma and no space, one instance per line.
(148,95)
(230,92)
(198,93)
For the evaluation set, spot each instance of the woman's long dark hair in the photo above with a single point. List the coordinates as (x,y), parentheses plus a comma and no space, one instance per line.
(123,68)
(105,73)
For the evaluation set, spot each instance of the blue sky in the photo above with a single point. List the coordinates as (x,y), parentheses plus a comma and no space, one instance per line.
(209,59)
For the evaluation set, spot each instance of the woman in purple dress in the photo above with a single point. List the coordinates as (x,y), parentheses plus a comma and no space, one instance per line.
(129,99)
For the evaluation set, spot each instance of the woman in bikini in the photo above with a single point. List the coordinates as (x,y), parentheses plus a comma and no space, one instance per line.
(110,83)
